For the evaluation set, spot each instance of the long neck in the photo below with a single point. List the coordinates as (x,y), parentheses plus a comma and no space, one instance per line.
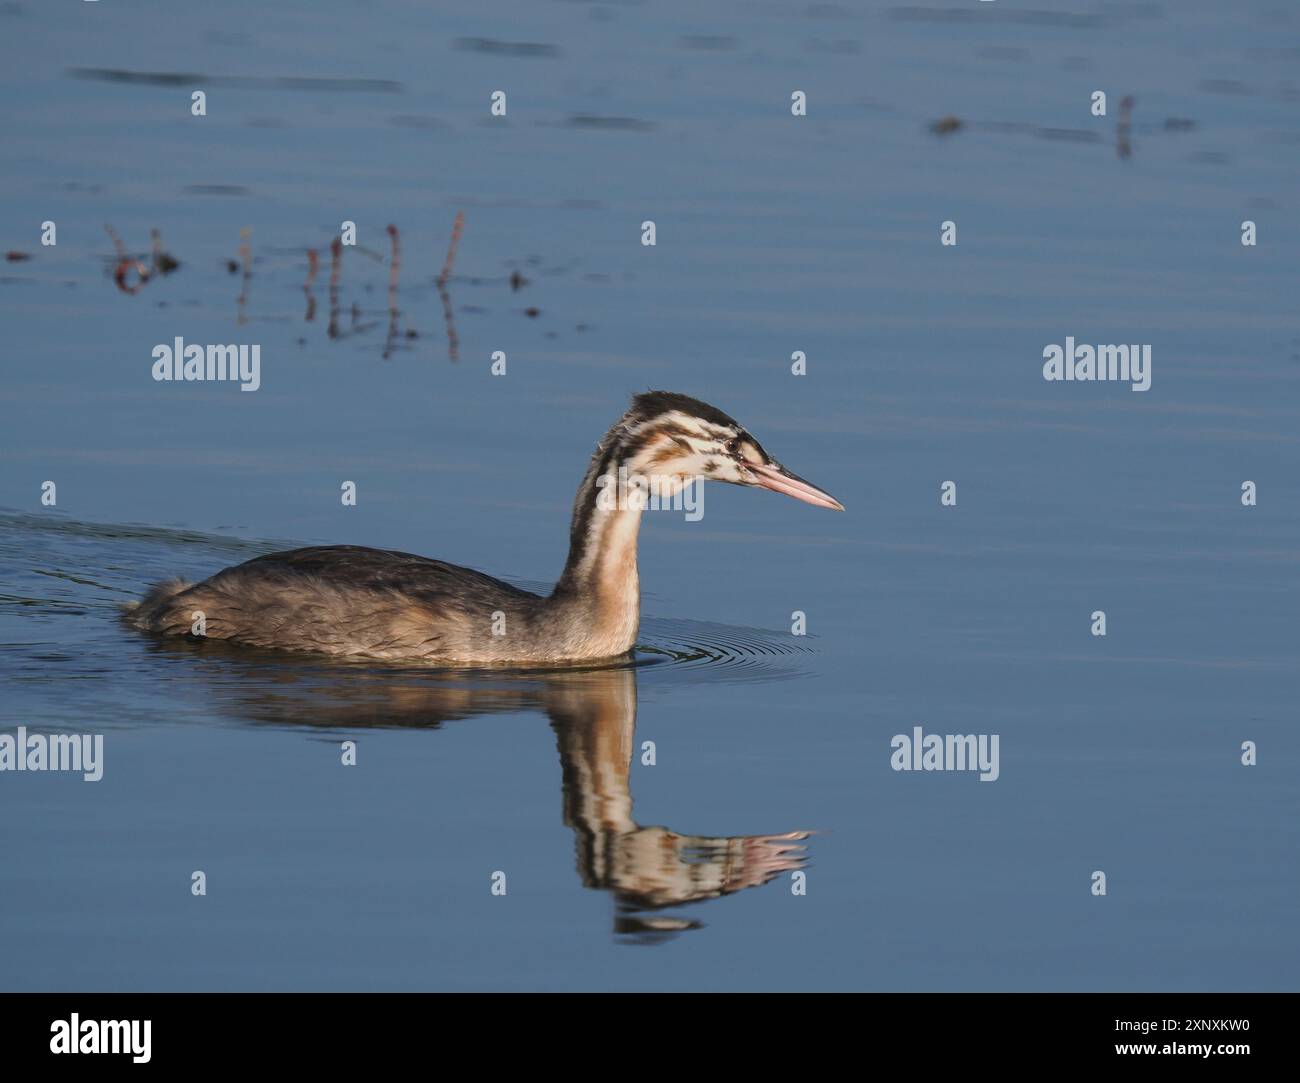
(600,590)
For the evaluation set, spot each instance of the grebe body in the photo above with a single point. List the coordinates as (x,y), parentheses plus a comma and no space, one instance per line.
(353,602)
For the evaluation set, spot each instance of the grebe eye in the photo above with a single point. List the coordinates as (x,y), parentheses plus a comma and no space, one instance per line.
(733,445)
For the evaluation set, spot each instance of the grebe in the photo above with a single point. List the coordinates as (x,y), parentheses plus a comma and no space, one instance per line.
(374,604)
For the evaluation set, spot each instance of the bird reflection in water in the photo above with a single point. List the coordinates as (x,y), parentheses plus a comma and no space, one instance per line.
(648,870)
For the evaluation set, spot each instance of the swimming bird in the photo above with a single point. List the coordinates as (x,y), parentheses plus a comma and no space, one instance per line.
(375,604)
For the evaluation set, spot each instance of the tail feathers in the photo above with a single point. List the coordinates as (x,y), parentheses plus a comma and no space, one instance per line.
(150,610)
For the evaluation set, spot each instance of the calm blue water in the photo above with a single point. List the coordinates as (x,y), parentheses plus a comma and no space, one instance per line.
(774,234)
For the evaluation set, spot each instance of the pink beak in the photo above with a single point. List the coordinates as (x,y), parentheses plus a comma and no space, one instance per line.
(780,480)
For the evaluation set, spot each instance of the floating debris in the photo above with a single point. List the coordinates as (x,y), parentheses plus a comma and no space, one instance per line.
(394,271)
(351,316)
(187,79)
(246,265)
(1123,126)
(127,265)
(614,124)
(313,264)
(506,48)
(118,246)
(163,261)
(456,229)
(453,342)
(122,272)
(336,271)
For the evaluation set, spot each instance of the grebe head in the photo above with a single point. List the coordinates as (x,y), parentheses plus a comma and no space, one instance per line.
(677,438)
